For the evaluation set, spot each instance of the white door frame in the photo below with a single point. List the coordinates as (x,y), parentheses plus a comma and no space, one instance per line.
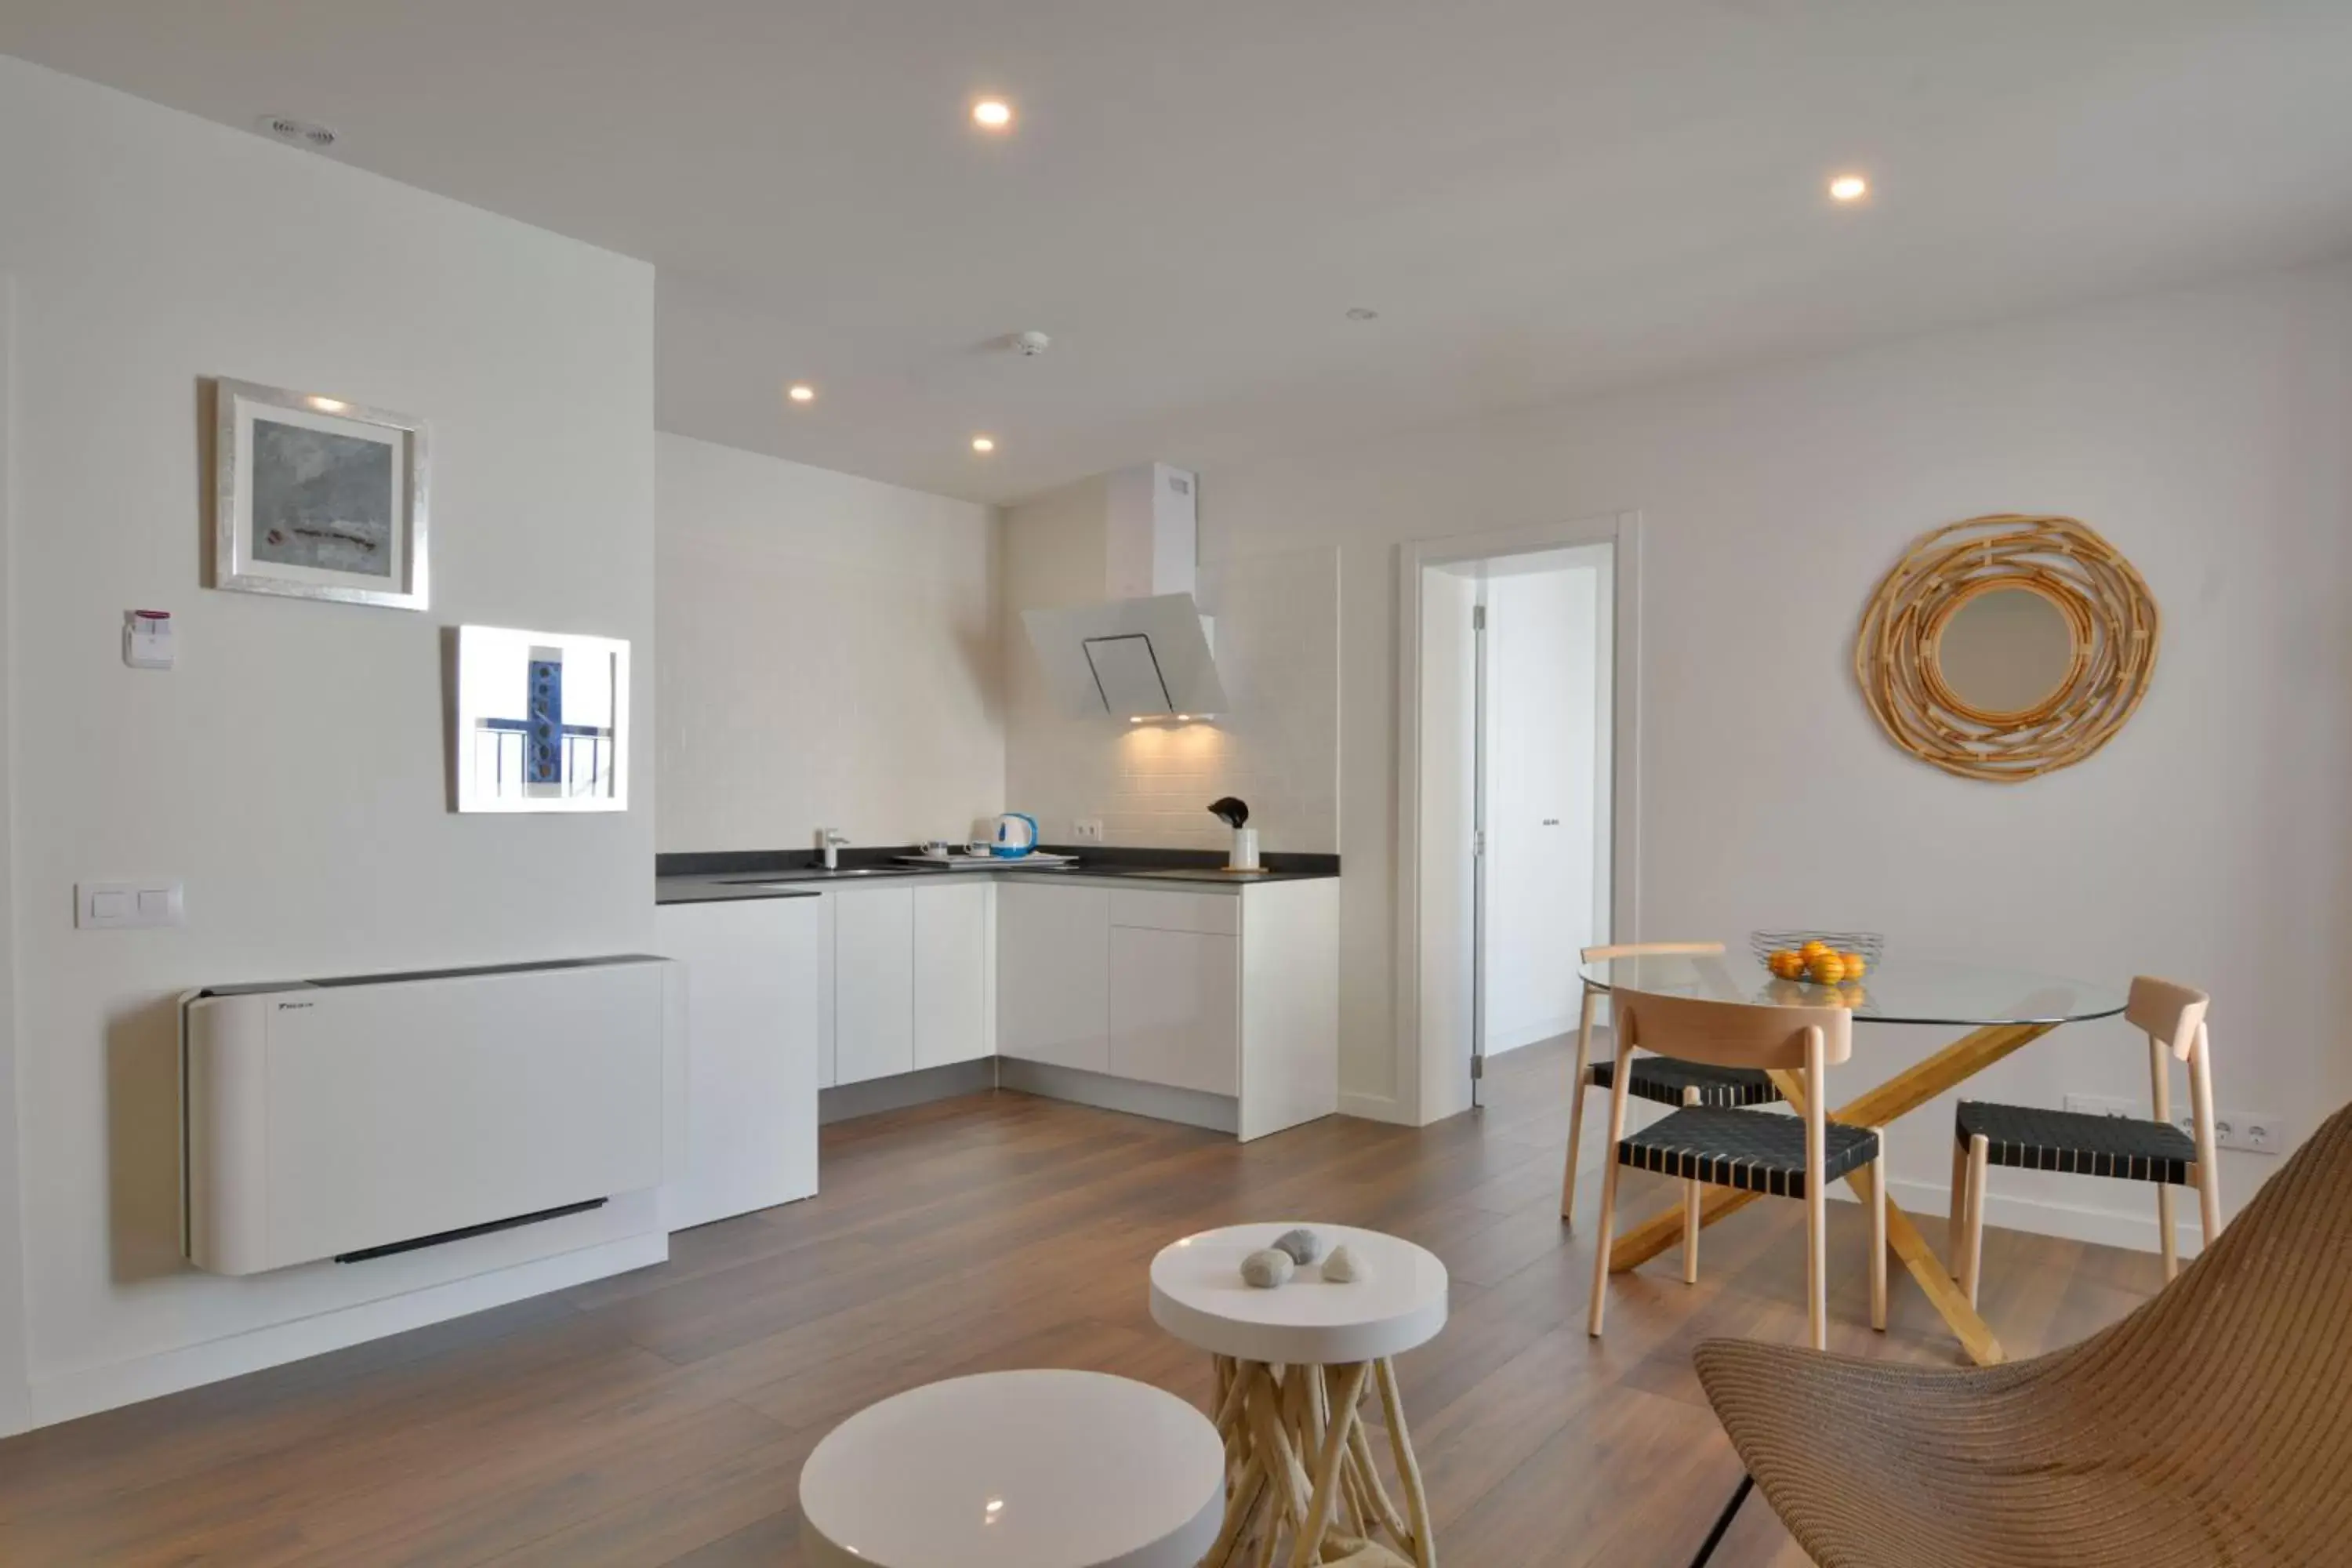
(1622,530)
(15,1370)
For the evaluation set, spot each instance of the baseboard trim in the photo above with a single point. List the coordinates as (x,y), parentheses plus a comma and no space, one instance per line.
(1216,1112)
(1530,1034)
(1930,1205)
(87,1390)
(1374,1107)
(899,1090)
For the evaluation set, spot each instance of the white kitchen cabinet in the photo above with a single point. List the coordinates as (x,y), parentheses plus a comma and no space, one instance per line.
(751,1049)
(873,981)
(1175,1007)
(955,986)
(1053,974)
(1232,995)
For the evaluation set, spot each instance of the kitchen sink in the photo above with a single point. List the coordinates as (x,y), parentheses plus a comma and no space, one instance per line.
(812,874)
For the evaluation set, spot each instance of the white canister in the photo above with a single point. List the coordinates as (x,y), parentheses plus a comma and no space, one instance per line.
(1245,850)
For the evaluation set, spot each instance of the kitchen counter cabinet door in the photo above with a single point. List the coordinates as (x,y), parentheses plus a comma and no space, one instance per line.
(955,995)
(873,982)
(1175,1008)
(752,1050)
(1053,974)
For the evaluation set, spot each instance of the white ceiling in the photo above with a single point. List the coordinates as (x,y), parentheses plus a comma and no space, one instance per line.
(1541,197)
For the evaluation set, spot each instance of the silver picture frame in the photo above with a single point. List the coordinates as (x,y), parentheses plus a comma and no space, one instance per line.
(333,561)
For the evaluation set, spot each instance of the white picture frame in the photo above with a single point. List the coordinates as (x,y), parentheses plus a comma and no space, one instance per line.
(317,497)
(522,742)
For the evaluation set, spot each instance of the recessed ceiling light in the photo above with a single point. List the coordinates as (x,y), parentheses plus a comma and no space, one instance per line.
(983,443)
(1849,188)
(301,132)
(1363,314)
(800,391)
(991,114)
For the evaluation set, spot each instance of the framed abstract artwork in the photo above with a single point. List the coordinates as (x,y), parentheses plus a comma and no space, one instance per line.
(541,721)
(314,498)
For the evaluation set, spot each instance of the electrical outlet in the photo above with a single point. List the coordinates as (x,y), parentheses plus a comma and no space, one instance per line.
(2249,1132)
(1088,829)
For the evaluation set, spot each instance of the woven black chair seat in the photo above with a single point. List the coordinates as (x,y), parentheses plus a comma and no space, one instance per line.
(2036,1140)
(1663,1080)
(1737,1149)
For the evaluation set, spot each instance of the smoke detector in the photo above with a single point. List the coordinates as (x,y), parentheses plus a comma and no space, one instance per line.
(1029,345)
(299,133)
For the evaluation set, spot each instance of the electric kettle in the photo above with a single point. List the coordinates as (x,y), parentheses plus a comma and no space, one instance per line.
(1017,834)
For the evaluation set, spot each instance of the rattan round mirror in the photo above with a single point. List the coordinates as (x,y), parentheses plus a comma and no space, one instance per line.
(2007,646)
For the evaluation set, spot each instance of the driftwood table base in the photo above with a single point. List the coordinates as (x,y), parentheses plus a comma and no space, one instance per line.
(1302,1485)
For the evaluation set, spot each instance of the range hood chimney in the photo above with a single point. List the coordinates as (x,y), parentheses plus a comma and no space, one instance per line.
(1145,651)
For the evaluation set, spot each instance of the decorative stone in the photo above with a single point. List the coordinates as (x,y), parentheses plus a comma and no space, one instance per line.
(1267,1269)
(1303,1245)
(1344,1268)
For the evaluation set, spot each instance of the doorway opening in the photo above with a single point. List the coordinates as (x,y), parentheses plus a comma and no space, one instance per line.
(1516,790)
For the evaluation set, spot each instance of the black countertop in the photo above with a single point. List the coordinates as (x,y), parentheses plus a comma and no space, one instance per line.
(721,876)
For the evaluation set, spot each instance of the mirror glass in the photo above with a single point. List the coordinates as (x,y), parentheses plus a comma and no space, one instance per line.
(2006,650)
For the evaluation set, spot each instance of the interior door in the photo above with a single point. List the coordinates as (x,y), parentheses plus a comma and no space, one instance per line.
(1540,729)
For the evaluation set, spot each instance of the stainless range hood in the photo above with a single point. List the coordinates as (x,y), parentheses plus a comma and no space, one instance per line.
(1144,652)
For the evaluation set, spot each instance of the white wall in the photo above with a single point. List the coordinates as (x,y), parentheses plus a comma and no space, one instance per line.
(828,656)
(1543,766)
(290,770)
(1277,746)
(2202,431)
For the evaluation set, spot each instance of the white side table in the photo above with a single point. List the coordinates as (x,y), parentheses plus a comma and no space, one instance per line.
(1292,1366)
(1016,1470)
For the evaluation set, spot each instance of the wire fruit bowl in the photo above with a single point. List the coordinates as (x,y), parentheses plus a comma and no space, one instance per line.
(1764,943)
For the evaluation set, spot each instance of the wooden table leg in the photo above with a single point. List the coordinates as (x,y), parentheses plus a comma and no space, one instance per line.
(1905,1092)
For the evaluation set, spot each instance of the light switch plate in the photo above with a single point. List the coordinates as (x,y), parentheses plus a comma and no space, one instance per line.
(126,906)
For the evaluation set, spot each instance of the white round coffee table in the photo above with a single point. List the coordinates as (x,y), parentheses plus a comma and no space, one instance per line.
(1016,1470)
(1293,1365)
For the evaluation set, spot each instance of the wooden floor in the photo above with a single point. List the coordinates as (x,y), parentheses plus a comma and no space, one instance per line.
(661,1417)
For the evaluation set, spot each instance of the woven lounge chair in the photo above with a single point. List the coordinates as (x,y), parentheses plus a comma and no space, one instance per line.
(2211,1427)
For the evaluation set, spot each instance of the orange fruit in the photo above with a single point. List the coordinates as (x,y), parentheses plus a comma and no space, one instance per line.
(1854,965)
(1814,948)
(1826,969)
(1787,964)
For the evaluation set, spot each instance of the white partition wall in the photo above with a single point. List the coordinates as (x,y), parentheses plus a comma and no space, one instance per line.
(290,771)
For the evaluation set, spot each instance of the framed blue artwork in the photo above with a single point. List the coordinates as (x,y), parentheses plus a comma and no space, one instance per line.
(541,721)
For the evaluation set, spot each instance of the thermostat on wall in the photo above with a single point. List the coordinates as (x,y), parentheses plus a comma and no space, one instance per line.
(147,639)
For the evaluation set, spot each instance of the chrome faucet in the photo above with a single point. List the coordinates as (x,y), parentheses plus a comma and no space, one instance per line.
(830,840)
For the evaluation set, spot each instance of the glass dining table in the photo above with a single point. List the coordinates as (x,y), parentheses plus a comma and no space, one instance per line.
(2002,1009)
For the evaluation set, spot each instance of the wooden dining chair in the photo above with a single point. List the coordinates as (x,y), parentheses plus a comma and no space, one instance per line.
(2173,1019)
(1786,1156)
(1656,1079)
